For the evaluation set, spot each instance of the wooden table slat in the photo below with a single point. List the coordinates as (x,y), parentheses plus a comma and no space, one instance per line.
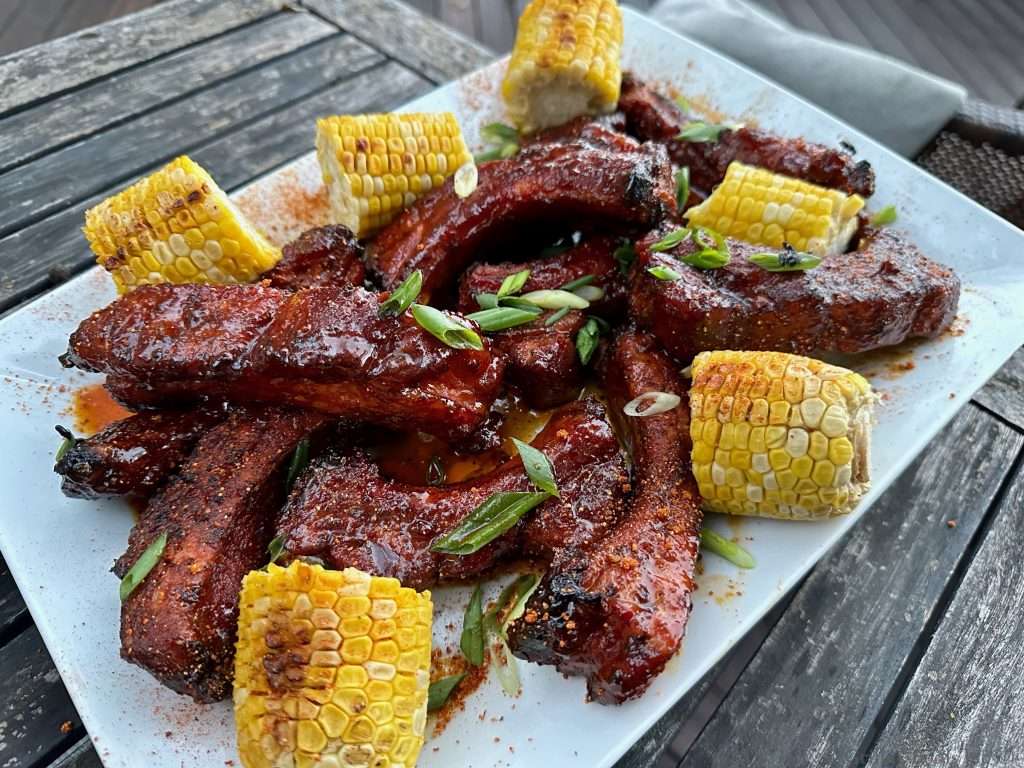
(29,133)
(821,678)
(420,43)
(1004,392)
(962,706)
(28,75)
(13,612)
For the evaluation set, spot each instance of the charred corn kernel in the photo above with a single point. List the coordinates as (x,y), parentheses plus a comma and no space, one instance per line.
(319,679)
(766,208)
(565,62)
(810,461)
(376,165)
(176,226)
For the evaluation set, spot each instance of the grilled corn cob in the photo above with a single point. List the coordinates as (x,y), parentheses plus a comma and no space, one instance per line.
(176,226)
(565,62)
(779,435)
(332,669)
(376,165)
(766,208)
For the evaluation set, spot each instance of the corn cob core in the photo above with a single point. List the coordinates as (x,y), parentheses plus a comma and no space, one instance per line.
(176,226)
(565,62)
(766,208)
(332,669)
(376,165)
(779,435)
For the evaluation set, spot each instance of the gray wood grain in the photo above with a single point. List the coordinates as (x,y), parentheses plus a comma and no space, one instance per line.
(812,694)
(33,703)
(963,705)
(30,133)
(81,754)
(50,251)
(117,155)
(13,613)
(403,33)
(29,75)
(1004,393)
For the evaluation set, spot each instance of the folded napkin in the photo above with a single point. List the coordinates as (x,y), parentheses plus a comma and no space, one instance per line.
(899,105)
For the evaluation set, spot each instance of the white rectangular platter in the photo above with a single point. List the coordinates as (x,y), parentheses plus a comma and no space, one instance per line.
(60,550)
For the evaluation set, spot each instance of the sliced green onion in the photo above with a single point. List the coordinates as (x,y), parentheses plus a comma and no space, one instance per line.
(651,404)
(498,133)
(786,260)
(671,240)
(300,460)
(487,155)
(521,588)
(444,328)
(699,131)
(500,318)
(69,442)
(663,273)
(555,299)
(435,471)
(487,522)
(472,640)
(520,303)
(682,186)
(603,325)
(587,339)
(682,103)
(723,547)
(402,296)
(146,562)
(590,293)
(556,316)
(487,300)
(513,283)
(465,179)
(275,549)
(516,594)
(625,255)
(507,150)
(440,690)
(708,239)
(579,282)
(706,258)
(506,668)
(538,467)
(885,216)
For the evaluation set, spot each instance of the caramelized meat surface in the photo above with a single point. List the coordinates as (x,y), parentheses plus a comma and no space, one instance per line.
(541,360)
(574,186)
(135,455)
(330,256)
(218,513)
(593,256)
(347,513)
(652,117)
(882,294)
(603,130)
(322,348)
(615,610)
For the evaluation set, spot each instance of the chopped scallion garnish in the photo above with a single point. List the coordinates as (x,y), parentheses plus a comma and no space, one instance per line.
(520,303)
(651,404)
(682,187)
(472,640)
(465,179)
(513,284)
(671,240)
(69,442)
(587,339)
(487,522)
(682,103)
(444,328)
(590,293)
(146,562)
(699,131)
(441,689)
(300,460)
(404,295)
(786,260)
(555,299)
(579,282)
(538,467)
(723,547)
(487,300)
(275,549)
(499,133)
(884,217)
(662,272)
(625,255)
(556,316)
(500,318)
(706,258)
(510,605)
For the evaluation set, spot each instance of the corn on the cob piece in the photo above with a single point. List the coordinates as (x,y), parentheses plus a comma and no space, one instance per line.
(766,208)
(332,669)
(376,165)
(176,226)
(565,62)
(779,435)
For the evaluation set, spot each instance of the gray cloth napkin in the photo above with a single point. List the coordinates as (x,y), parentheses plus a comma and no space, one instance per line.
(899,105)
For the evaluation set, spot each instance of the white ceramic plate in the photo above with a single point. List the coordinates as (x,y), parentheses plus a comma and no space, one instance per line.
(60,550)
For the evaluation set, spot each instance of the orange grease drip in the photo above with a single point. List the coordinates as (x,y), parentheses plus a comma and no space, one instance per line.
(94,409)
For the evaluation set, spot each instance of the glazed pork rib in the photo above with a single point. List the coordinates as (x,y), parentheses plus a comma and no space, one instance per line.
(218,513)
(322,348)
(329,256)
(347,513)
(573,186)
(135,455)
(652,117)
(615,609)
(881,294)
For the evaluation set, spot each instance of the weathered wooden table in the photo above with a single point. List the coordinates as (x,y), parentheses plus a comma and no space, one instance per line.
(903,647)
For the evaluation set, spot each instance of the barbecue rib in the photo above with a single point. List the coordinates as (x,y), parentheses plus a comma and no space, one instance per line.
(573,186)
(218,513)
(602,130)
(879,295)
(346,513)
(328,256)
(135,455)
(652,117)
(322,348)
(616,610)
